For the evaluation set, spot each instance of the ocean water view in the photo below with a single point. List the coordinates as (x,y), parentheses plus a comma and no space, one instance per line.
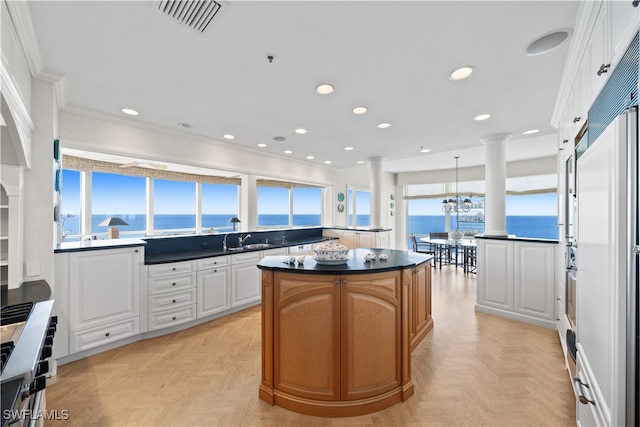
(543,227)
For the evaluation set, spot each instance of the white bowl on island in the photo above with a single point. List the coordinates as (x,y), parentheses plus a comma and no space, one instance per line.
(331,252)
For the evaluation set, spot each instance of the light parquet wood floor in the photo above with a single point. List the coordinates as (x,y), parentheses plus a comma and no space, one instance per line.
(473,369)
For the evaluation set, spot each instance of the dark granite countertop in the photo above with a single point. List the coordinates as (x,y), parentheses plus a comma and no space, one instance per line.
(397,260)
(34,291)
(162,258)
(373,230)
(516,238)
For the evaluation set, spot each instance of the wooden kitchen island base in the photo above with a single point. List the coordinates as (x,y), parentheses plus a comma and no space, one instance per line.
(337,340)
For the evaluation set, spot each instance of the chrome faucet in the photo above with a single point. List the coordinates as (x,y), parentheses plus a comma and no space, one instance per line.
(224,242)
(241,240)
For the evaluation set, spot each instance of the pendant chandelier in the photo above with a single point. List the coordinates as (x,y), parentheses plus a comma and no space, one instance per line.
(457,204)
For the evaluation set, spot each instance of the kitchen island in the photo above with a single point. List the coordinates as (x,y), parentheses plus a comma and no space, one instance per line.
(337,339)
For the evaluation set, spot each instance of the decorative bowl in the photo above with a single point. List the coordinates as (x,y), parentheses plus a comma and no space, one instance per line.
(330,251)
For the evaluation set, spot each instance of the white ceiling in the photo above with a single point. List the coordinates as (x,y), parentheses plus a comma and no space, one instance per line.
(393,57)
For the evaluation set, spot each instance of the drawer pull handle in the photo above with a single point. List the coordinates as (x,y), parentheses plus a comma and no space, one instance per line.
(107,334)
(174,318)
(576,119)
(173,284)
(174,301)
(174,269)
(136,251)
(577,386)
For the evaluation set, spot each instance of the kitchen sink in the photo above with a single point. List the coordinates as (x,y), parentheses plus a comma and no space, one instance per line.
(257,246)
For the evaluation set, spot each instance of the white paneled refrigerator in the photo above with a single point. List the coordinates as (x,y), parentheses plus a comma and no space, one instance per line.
(606,382)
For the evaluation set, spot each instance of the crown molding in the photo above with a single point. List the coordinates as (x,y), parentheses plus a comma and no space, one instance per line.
(21,18)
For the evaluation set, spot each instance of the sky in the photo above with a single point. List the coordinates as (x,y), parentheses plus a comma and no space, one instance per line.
(120,194)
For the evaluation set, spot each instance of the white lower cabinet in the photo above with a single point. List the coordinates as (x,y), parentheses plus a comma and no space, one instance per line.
(97,296)
(171,294)
(516,278)
(214,290)
(245,279)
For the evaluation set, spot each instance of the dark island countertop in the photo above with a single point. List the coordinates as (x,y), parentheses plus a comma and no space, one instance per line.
(514,238)
(34,291)
(397,260)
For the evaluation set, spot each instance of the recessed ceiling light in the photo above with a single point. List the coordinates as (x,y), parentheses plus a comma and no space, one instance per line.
(324,89)
(288,152)
(360,162)
(185,125)
(384,125)
(348,148)
(359,110)
(301,131)
(461,73)
(547,42)
(262,145)
(327,162)
(129,111)
(424,150)
(279,138)
(228,136)
(530,132)
(310,157)
(481,117)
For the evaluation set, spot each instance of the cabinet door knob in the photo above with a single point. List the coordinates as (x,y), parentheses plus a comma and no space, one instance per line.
(576,119)
(174,301)
(344,281)
(564,141)
(136,251)
(107,334)
(174,269)
(173,318)
(604,68)
(173,284)
(336,282)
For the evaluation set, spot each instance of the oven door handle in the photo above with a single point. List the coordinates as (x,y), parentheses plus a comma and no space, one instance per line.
(577,387)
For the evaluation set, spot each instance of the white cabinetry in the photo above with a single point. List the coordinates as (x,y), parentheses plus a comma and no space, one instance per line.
(103,290)
(172,294)
(516,279)
(214,285)
(599,53)
(11,227)
(354,239)
(245,278)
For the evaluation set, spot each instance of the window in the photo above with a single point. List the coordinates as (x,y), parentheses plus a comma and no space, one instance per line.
(120,196)
(533,215)
(219,204)
(174,206)
(307,207)
(359,203)
(287,204)
(70,209)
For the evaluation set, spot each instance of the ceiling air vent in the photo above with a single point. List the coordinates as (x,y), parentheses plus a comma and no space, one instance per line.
(195,14)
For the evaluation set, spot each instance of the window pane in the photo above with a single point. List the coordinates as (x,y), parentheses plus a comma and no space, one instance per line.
(363,208)
(351,207)
(119,196)
(307,207)
(219,204)
(174,206)
(70,209)
(533,215)
(273,207)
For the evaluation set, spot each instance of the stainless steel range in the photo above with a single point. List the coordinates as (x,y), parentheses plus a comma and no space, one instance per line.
(26,339)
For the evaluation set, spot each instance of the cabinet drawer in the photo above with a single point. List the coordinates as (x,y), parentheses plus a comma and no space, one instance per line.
(158,270)
(159,285)
(253,257)
(213,262)
(173,300)
(105,334)
(172,317)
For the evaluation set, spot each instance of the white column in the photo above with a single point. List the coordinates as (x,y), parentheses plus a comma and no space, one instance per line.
(495,181)
(375,179)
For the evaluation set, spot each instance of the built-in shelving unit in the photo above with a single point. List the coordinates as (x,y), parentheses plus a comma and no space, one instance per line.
(4,237)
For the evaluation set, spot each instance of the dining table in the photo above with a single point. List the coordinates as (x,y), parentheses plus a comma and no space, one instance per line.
(459,252)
